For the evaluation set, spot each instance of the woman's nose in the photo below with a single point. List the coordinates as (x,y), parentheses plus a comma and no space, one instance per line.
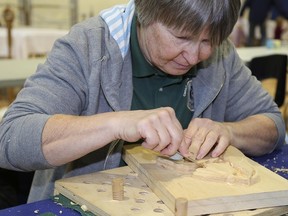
(191,54)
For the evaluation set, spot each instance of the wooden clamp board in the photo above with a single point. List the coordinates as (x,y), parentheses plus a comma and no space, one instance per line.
(208,197)
(94,193)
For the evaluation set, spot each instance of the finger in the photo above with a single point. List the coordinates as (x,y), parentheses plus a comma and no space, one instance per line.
(189,133)
(210,140)
(197,141)
(175,131)
(149,134)
(221,146)
(176,138)
(184,148)
(164,138)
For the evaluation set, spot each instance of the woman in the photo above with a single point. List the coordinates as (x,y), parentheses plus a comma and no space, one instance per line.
(140,72)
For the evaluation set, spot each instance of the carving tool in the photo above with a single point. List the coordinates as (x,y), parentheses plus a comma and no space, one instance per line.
(177,156)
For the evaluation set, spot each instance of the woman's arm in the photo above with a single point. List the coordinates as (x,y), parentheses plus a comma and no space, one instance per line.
(66,138)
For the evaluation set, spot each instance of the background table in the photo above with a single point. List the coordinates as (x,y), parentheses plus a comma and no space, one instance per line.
(247,53)
(14,72)
(27,41)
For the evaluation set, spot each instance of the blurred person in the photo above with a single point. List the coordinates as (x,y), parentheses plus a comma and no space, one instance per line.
(258,13)
(279,28)
(280,9)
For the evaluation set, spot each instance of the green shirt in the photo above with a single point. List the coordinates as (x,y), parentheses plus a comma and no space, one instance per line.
(152,88)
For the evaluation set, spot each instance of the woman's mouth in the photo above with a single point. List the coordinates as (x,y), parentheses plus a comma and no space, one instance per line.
(182,66)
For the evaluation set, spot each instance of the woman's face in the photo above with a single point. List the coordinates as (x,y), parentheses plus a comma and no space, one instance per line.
(172,51)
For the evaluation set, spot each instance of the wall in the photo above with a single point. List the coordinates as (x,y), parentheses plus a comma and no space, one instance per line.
(55,13)
(93,7)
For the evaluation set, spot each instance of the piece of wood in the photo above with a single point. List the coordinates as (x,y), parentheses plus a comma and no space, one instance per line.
(182,166)
(181,207)
(208,197)
(231,167)
(226,168)
(93,193)
(118,188)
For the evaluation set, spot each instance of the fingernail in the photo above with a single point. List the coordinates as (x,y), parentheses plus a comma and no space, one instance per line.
(215,154)
(199,156)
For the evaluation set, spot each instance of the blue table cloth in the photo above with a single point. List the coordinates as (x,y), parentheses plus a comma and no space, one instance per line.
(44,208)
(277,161)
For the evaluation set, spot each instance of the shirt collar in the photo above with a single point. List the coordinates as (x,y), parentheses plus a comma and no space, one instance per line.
(141,67)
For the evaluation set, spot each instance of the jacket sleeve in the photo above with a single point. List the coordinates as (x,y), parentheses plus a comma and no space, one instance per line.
(58,86)
(247,97)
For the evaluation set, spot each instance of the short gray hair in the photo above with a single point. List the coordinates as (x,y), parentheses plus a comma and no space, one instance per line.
(192,16)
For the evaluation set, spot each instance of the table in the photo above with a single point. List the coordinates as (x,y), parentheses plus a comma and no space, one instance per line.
(247,53)
(27,41)
(48,207)
(274,161)
(14,72)
(277,161)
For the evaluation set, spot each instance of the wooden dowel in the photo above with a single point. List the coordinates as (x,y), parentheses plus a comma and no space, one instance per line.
(118,189)
(181,207)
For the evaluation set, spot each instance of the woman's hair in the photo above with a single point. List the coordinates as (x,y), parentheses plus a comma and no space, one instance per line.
(192,16)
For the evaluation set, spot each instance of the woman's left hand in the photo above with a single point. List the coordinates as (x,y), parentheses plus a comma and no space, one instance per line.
(203,136)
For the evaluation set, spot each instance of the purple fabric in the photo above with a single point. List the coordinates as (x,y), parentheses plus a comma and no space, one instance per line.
(44,207)
(277,161)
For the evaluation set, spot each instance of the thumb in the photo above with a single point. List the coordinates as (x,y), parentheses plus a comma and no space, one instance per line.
(187,149)
(184,147)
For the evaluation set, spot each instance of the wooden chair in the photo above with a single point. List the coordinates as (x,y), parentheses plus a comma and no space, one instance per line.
(9,16)
(272,67)
(271,71)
